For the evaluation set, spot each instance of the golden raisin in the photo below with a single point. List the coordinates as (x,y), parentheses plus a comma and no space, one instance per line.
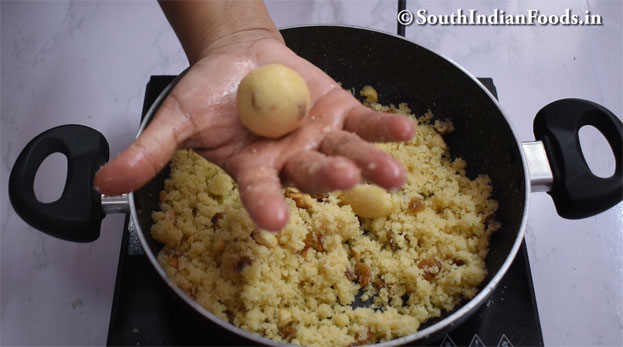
(173,261)
(187,287)
(457,262)
(312,240)
(318,243)
(431,267)
(217,216)
(162,195)
(218,246)
(350,275)
(287,332)
(243,262)
(415,205)
(355,255)
(379,283)
(363,274)
(363,339)
(230,316)
(233,265)
(393,244)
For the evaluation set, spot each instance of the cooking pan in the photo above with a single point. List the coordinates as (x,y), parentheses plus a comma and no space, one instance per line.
(402,72)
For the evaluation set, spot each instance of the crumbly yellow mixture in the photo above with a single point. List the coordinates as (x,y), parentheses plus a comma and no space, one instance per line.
(421,257)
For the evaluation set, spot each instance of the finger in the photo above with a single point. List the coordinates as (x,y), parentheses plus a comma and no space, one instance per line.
(379,126)
(148,154)
(376,165)
(261,195)
(314,172)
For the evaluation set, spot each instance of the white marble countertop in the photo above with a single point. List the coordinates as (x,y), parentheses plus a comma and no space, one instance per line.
(88,63)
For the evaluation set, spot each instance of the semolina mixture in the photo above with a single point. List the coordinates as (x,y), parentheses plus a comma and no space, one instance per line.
(408,255)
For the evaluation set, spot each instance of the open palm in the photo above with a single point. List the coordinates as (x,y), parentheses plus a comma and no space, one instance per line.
(329,151)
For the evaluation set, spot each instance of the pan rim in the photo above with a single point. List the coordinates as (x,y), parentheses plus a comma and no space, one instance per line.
(446,322)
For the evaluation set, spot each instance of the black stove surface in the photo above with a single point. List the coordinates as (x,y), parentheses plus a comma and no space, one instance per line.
(146,313)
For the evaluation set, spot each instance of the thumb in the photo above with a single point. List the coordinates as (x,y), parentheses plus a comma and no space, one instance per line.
(148,154)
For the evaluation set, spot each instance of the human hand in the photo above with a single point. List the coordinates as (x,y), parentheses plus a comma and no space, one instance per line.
(329,151)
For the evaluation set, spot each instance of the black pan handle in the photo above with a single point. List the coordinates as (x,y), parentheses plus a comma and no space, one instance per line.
(577,193)
(77,214)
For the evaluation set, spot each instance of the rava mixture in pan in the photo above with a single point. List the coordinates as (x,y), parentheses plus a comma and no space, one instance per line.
(420,256)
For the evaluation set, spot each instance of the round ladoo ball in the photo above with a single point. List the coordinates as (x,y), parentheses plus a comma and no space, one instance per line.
(272,100)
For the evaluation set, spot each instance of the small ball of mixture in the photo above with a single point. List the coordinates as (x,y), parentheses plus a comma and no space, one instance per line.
(272,100)
(369,201)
